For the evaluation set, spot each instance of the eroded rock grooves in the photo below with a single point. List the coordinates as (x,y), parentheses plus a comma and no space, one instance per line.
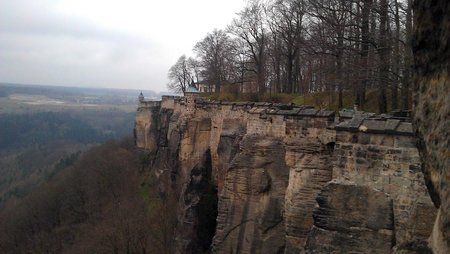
(352,218)
(432,108)
(288,178)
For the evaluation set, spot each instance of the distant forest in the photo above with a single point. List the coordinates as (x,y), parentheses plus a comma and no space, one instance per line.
(331,47)
(20,130)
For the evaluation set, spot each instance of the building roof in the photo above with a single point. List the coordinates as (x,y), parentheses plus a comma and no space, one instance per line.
(191,89)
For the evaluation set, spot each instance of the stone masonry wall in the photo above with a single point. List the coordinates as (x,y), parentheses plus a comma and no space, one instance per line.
(381,153)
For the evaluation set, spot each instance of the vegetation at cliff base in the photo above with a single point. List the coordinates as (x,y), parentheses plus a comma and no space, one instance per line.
(34,146)
(95,205)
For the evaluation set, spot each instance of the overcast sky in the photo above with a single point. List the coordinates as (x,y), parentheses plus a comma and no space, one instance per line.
(103,43)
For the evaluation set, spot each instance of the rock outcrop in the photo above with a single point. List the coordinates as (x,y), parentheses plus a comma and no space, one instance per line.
(264,177)
(432,108)
(352,218)
(251,203)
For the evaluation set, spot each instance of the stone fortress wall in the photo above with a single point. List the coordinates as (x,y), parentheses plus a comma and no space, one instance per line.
(289,178)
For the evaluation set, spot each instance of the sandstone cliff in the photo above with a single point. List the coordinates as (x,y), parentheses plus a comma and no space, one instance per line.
(272,178)
(432,108)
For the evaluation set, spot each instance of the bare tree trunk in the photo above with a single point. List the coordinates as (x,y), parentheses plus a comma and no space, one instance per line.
(261,79)
(383,57)
(217,83)
(372,60)
(295,75)
(365,37)
(289,72)
(396,63)
(339,73)
(277,63)
(358,62)
(408,58)
(278,72)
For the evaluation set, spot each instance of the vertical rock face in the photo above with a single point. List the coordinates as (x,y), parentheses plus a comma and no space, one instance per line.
(146,134)
(309,161)
(197,216)
(432,108)
(232,133)
(251,203)
(389,163)
(248,175)
(352,218)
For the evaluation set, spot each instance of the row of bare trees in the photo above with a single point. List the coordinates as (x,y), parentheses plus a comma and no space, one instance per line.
(309,46)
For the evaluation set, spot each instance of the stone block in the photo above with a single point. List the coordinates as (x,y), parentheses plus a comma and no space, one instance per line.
(373,126)
(308,112)
(391,125)
(325,113)
(346,114)
(405,128)
(257,110)
(272,111)
(290,112)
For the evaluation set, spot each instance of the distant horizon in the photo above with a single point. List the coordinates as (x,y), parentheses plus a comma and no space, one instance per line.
(82,87)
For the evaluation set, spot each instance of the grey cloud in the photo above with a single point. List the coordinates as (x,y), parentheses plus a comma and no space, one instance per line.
(38,46)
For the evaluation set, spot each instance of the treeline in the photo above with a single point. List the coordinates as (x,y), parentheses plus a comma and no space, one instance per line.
(308,46)
(104,202)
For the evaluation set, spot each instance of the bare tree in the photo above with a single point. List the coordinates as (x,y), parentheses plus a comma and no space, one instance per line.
(383,51)
(365,45)
(396,61)
(195,68)
(249,27)
(286,20)
(215,53)
(407,57)
(179,75)
(334,15)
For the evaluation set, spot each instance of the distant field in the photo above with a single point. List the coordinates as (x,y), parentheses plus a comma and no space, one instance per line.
(16,98)
(19,103)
